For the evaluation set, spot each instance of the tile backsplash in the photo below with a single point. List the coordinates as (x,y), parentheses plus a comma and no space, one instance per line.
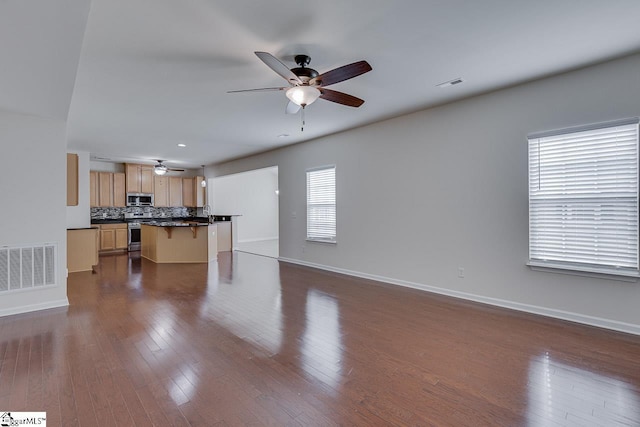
(118,213)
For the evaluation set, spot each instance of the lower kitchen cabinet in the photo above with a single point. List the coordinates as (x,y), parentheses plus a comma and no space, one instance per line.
(113,237)
(82,249)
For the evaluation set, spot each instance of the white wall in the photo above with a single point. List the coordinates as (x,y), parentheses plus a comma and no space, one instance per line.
(252,195)
(421,195)
(79,216)
(33,193)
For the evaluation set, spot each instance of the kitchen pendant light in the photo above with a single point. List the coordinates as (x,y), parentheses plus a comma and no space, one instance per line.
(203,183)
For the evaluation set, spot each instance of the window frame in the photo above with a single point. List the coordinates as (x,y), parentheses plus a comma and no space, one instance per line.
(334,239)
(571,200)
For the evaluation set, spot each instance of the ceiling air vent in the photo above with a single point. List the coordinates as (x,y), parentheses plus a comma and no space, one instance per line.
(100,159)
(451,82)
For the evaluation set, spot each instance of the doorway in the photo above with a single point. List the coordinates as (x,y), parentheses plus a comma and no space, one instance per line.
(254,196)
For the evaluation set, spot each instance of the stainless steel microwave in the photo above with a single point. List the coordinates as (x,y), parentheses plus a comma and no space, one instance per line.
(139,199)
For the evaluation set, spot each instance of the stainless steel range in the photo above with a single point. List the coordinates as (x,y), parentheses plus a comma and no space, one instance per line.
(133,224)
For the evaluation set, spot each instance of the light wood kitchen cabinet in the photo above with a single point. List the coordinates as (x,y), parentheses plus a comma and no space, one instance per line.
(82,249)
(139,178)
(113,237)
(146,179)
(175,191)
(193,194)
(161,191)
(119,190)
(105,189)
(122,237)
(188,192)
(201,192)
(93,189)
(72,179)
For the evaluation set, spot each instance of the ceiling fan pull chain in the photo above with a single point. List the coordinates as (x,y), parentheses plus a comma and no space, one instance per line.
(302,118)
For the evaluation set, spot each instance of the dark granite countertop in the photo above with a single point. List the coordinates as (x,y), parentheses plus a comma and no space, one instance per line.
(200,219)
(108,221)
(175,224)
(165,219)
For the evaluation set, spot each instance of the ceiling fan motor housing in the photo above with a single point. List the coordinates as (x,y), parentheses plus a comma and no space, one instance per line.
(305,74)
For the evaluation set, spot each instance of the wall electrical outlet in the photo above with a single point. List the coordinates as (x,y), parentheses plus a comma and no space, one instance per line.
(460,272)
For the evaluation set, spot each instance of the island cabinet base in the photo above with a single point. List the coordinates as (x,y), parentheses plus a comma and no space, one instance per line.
(179,244)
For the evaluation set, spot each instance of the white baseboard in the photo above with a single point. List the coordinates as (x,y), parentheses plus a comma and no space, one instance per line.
(615,325)
(34,307)
(262,239)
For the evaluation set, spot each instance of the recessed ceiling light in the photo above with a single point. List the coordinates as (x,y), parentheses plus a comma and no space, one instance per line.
(181,145)
(283,135)
(451,82)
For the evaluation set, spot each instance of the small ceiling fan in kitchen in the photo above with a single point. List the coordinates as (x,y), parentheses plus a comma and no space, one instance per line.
(161,169)
(306,85)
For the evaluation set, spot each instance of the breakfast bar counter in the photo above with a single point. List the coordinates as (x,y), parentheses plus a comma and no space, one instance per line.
(179,242)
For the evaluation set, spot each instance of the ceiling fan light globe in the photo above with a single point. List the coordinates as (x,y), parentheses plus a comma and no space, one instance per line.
(303,95)
(160,169)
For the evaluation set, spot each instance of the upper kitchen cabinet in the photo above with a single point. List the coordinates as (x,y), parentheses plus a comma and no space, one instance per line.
(106,189)
(200,191)
(72,179)
(139,178)
(119,190)
(93,189)
(188,193)
(161,191)
(193,194)
(175,191)
(168,191)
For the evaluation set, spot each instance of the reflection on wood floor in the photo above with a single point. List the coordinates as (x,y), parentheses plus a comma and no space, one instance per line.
(250,341)
(268,248)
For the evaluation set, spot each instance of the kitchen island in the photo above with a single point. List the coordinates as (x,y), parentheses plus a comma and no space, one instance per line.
(179,242)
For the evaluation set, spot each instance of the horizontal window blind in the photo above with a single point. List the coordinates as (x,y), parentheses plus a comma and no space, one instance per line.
(321,204)
(583,198)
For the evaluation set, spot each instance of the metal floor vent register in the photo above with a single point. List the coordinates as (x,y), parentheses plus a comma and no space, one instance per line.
(27,267)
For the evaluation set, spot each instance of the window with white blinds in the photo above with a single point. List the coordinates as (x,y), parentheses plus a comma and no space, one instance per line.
(583,198)
(321,204)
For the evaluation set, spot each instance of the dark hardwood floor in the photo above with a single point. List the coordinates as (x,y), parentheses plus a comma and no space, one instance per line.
(250,341)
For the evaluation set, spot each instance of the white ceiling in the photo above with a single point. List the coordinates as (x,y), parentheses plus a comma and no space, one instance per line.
(154,73)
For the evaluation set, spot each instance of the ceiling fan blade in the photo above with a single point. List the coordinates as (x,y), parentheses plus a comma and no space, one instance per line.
(262,89)
(277,66)
(175,170)
(340,74)
(340,98)
(292,108)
